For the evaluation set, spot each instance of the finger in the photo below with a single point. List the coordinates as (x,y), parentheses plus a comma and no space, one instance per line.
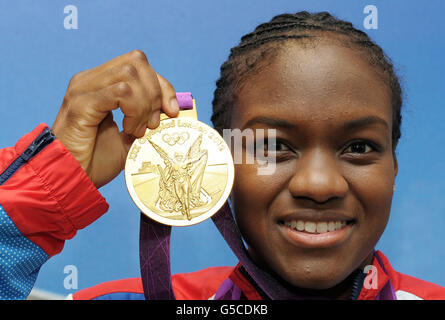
(125,72)
(121,68)
(151,87)
(143,102)
(111,64)
(133,126)
(145,89)
(125,96)
(169,102)
(132,100)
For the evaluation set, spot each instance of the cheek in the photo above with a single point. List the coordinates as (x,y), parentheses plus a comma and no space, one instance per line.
(251,197)
(373,190)
(253,192)
(246,185)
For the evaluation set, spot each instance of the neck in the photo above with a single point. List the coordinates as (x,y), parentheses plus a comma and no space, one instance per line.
(348,289)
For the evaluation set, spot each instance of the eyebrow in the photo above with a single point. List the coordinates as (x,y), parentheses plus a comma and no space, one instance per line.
(348,126)
(365,121)
(272,122)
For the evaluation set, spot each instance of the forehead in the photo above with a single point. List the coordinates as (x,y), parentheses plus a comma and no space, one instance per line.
(322,82)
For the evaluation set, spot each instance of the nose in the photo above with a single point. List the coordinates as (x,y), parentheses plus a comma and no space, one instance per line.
(318,177)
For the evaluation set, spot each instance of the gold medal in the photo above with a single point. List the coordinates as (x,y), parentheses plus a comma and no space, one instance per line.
(180,173)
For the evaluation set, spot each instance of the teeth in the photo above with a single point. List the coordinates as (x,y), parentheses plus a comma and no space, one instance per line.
(300,225)
(310,227)
(322,227)
(315,227)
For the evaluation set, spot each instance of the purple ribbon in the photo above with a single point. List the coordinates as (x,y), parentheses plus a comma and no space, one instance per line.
(185,100)
(154,259)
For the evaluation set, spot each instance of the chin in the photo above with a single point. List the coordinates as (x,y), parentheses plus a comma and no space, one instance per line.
(314,281)
(313,274)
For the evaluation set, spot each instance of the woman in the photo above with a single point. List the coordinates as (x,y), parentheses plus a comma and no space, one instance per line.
(335,102)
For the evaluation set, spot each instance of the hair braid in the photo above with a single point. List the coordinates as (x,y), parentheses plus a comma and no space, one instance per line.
(246,58)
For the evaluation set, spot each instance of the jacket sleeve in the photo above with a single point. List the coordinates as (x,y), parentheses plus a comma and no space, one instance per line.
(45,197)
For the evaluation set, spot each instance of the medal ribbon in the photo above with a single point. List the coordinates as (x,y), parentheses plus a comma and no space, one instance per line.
(154,251)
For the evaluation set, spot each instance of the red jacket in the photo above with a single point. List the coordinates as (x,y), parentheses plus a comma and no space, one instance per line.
(47,197)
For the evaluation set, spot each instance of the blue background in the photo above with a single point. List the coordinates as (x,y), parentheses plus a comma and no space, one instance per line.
(186,42)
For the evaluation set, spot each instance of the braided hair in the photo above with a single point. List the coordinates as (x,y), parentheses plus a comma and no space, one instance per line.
(257,47)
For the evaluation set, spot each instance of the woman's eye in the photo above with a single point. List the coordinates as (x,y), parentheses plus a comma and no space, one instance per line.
(359,147)
(276,146)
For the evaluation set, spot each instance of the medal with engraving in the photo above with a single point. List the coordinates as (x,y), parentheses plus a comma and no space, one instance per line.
(180,173)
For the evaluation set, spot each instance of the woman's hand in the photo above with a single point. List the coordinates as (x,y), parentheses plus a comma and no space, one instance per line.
(85,123)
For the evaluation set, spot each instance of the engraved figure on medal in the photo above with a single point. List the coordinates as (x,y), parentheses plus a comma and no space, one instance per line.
(180,183)
(180,173)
